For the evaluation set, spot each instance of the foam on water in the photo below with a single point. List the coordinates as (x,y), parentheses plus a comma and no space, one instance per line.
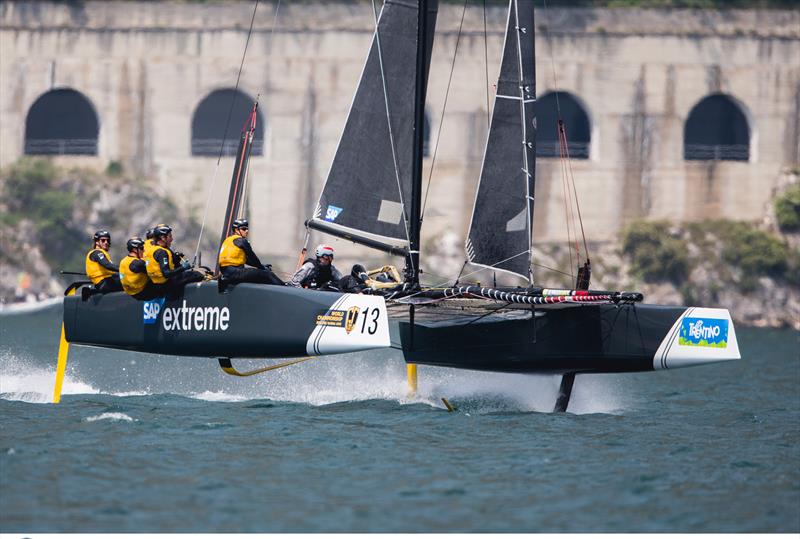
(110,416)
(346,378)
(21,381)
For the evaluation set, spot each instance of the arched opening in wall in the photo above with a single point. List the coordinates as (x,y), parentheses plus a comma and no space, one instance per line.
(716,130)
(576,125)
(210,117)
(61,122)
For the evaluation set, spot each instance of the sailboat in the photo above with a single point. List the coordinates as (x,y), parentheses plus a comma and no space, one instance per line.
(372,196)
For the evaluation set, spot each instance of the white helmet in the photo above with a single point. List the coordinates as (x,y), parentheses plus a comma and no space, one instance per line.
(324,250)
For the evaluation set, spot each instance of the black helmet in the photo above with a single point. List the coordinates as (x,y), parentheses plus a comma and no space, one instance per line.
(240,223)
(102,234)
(149,233)
(161,230)
(134,243)
(359,272)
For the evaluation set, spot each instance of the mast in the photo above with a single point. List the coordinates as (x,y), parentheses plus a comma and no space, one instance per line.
(233,209)
(412,259)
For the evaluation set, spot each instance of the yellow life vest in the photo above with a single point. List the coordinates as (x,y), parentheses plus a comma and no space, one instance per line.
(230,254)
(95,271)
(154,269)
(149,247)
(132,282)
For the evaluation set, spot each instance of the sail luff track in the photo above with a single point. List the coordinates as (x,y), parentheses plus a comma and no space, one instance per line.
(500,228)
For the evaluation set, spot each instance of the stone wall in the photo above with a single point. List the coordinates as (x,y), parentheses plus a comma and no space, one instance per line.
(145,66)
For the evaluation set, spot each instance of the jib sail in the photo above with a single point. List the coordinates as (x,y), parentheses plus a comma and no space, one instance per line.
(500,230)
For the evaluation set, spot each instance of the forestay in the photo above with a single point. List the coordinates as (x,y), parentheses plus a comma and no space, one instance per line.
(370,181)
(500,230)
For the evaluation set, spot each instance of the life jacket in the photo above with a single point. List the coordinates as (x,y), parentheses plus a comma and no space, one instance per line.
(153,267)
(95,271)
(149,247)
(132,282)
(230,254)
(318,276)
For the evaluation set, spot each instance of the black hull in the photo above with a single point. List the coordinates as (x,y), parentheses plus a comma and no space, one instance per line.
(561,339)
(247,320)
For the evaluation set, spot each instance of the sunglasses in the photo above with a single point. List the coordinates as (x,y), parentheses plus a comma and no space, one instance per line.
(244,228)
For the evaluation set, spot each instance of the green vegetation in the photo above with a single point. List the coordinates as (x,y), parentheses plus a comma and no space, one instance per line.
(787,209)
(58,209)
(731,253)
(655,253)
(31,194)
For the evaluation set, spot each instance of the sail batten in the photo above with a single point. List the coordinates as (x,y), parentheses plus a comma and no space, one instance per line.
(368,185)
(502,217)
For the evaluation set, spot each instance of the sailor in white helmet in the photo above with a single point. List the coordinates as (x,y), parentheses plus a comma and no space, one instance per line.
(318,272)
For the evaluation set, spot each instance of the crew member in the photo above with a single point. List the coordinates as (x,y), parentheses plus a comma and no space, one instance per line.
(236,252)
(133,270)
(356,282)
(99,267)
(319,272)
(149,243)
(162,266)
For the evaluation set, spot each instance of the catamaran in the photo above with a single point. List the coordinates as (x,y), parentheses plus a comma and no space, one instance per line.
(373,197)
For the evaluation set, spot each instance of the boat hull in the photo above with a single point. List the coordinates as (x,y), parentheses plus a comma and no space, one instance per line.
(602,338)
(247,320)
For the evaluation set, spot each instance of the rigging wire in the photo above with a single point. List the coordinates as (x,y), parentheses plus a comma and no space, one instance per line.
(389,122)
(567,174)
(486,67)
(444,109)
(225,133)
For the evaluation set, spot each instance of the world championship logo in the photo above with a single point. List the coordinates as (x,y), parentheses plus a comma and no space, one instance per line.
(352,316)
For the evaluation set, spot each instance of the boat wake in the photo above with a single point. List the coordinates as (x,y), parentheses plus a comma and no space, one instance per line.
(346,378)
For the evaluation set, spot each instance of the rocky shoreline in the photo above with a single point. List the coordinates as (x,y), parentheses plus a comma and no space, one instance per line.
(752,269)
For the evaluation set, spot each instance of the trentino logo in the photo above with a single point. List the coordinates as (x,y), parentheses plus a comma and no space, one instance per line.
(708,332)
(150,310)
(332,213)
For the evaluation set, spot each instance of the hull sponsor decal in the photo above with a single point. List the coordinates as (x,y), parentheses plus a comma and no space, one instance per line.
(699,336)
(353,322)
(185,318)
(151,310)
(708,332)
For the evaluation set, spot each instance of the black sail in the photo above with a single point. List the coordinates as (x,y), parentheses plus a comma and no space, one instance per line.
(500,230)
(368,189)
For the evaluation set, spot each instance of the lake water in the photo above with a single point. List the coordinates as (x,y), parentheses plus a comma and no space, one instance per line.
(159,444)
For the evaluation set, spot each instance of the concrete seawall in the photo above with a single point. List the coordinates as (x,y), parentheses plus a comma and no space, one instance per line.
(637,74)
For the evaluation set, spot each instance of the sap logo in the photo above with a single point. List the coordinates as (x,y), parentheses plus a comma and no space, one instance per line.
(332,213)
(185,318)
(708,332)
(151,309)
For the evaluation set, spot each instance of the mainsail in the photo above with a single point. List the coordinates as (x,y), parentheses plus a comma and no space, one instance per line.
(500,230)
(368,189)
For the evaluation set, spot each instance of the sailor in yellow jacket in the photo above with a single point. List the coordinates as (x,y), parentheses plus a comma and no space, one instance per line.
(236,252)
(133,271)
(99,267)
(163,266)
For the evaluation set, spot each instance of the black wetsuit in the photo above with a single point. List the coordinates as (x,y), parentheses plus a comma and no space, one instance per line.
(258,273)
(176,278)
